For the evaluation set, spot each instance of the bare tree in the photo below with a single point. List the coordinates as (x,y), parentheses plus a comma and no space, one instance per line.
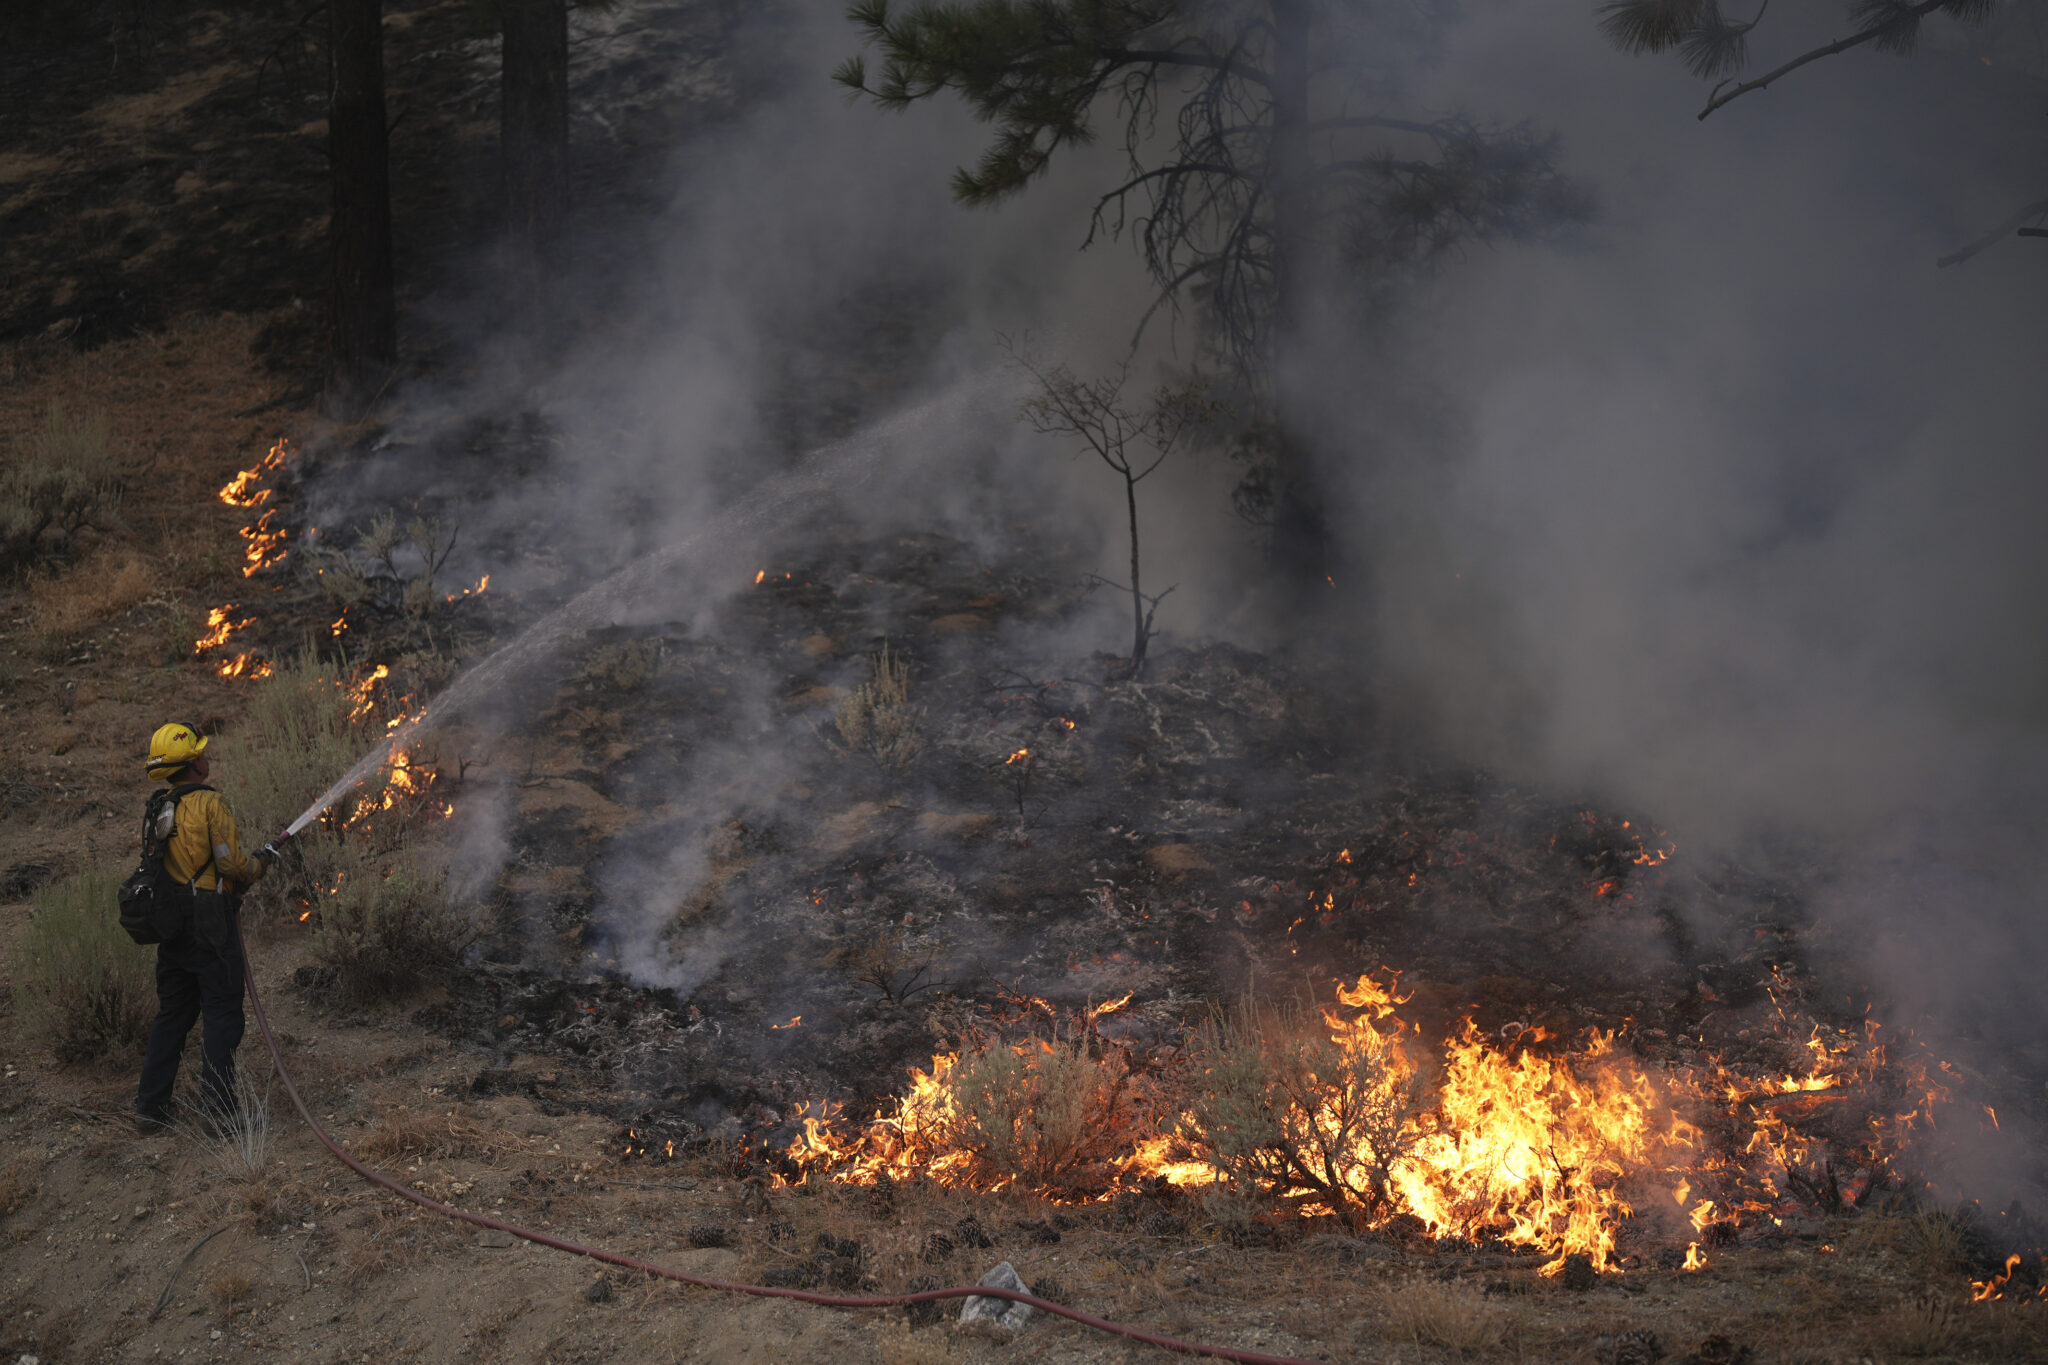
(1132,442)
(1280,172)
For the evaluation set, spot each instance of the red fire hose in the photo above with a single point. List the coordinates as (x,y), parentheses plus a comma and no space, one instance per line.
(727,1286)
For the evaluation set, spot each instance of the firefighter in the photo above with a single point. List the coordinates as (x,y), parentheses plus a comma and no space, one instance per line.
(199,970)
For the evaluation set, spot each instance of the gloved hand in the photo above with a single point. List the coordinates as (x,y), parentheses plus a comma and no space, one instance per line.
(270,851)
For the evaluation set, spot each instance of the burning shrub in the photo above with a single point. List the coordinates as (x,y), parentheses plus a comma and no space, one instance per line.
(67,482)
(84,989)
(877,718)
(1060,1115)
(1052,1114)
(1287,1107)
(388,934)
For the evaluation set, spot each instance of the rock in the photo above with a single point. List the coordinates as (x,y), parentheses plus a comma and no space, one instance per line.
(600,1290)
(1579,1275)
(491,1237)
(1003,1314)
(710,1235)
(1176,860)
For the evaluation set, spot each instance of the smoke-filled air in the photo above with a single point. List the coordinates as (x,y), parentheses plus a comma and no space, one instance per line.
(1363,679)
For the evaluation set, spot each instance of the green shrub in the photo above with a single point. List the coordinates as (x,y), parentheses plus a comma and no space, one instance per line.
(295,739)
(83,988)
(65,481)
(386,930)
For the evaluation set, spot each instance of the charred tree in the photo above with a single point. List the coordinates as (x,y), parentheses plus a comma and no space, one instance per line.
(361,301)
(1132,443)
(1266,180)
(533,116)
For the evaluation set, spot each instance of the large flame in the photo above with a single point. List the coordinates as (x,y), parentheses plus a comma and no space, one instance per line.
(1526,1139)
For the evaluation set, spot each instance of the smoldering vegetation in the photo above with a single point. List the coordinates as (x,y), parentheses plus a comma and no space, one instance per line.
(1698,518)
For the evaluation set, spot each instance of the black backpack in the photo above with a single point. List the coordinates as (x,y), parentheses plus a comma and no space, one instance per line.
(155,909)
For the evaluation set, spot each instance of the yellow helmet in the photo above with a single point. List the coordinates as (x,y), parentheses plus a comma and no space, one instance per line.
(172,747)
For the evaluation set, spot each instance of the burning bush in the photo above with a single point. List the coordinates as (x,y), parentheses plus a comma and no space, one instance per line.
(1518,1136)
(1286,1107)
(83,988)
(1059,1114)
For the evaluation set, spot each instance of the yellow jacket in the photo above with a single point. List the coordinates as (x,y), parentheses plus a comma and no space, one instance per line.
(206,830)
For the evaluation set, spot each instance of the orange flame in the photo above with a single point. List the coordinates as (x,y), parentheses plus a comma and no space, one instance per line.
(266,546)
(218,628)
(1017,757)
(1694,1259)
(796,1021)
(1527,1141)
(1985,1291)
(240,490)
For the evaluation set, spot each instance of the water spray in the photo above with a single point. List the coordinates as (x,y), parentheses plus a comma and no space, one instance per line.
(841,465)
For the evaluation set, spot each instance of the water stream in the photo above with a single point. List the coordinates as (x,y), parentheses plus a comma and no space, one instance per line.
(834,468)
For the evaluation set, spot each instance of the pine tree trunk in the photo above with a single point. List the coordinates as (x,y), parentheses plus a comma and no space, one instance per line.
(360,299)
(1300,551)
(534,131)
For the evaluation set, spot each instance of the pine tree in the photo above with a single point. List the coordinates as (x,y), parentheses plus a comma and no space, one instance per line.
(1278,174)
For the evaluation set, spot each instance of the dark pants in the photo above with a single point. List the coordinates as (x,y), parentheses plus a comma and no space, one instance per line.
(192,982)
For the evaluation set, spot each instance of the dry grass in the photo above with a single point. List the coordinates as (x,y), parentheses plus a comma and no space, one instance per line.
(900,1345)
(103,586)
(1924,1324)
(1452,1316)
(228,1286)
(877,717)
(406,1132)
(18,1187)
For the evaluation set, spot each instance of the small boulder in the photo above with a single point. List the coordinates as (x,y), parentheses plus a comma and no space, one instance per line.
(1006,1315)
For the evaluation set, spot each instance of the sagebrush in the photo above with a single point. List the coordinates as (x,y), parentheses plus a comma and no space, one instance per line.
(877,718)
(59,481)
(83,988)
